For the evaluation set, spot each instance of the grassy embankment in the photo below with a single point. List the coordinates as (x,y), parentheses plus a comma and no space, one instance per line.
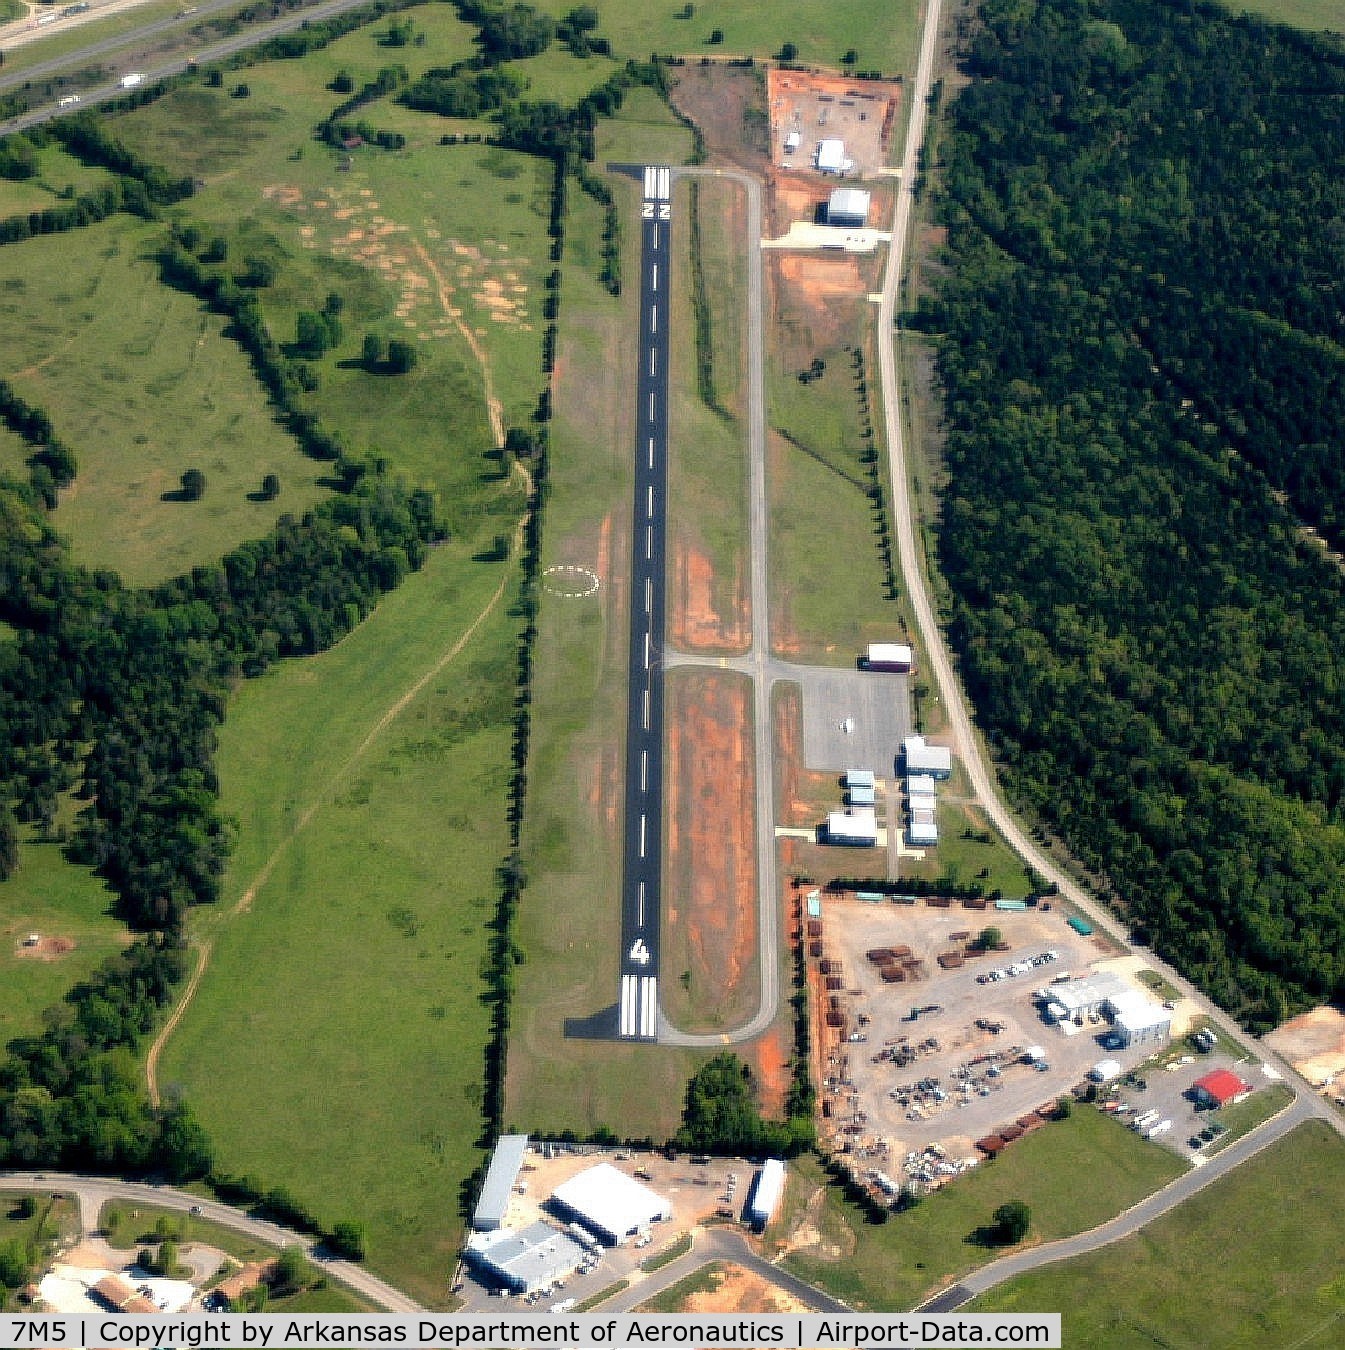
(127,1227)
(1072,1174)
(1238,1264)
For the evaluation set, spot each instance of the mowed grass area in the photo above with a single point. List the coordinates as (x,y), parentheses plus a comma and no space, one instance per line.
(347,994)
(51,897)
(970,849)
(829,586)
(642,132)
(1073,1174)
(140,381)
(126,1227)
(823,32)
(1315,15)
(708,583)
(1256,1259)
(569,917)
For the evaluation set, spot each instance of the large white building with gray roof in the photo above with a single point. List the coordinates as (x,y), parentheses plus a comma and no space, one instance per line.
(531,1259)
(499,1183)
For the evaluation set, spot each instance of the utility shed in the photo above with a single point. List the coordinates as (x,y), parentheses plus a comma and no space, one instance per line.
(849,206)
(508,1157)
(531,1259)
(1220,1088)
(922,758)
(611,1204)
(766,1193)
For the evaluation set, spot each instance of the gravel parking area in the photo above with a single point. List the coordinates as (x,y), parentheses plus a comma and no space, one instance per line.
(957,1071)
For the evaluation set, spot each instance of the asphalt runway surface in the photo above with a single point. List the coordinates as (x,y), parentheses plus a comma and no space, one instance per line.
(637,1009)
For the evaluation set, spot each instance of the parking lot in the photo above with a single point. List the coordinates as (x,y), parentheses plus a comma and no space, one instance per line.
(958,1070)
(719,1187)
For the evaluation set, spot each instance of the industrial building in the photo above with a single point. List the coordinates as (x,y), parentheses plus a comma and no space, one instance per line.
(1079,998)
(888,656)
(922,831)
(499,1183)
(1220,1087)
(1137,1020)
(531,1259)
(610,1204)
(858,827)
(830,157)
(921,758)
(849,206)
(770,1186)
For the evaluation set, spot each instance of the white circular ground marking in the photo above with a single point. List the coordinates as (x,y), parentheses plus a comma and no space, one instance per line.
(570,582)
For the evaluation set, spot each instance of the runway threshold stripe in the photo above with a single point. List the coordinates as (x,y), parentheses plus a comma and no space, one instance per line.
(629,997)
(649,1006)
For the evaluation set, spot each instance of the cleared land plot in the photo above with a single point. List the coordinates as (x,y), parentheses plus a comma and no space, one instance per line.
(1234,1265)
(723,1287)
(140,381)
(860,113)
(896,1265)
(709,958)
(345,990)
(1314,1043)
(68,909)
(707,477)
(943,1041)
(821,31)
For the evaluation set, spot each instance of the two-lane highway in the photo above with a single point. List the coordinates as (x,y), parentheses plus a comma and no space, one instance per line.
(638,1017)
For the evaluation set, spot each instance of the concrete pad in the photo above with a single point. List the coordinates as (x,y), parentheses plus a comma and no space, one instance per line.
(876,707)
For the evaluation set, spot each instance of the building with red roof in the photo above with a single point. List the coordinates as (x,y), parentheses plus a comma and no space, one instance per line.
(1220,1087)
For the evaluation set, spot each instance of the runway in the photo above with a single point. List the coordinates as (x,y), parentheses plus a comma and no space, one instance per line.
(641,895)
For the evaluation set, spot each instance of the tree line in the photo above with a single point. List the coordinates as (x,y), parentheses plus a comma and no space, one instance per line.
(1141,342)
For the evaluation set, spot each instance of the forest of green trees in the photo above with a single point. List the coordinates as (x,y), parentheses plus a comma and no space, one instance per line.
(1141,345)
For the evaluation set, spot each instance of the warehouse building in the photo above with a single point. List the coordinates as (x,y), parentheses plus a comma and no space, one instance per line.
(770,1186)
(850,207)
(1079,998)
(830,157)
(923,830)
(922,758)
(499,1183)
(531,1259)
(857,828)
(1137,1020)
(610,1204)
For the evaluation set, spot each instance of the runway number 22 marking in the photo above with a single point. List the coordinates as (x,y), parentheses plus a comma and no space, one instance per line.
(664,211)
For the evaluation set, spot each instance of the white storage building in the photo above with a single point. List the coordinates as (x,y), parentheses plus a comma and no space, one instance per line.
(1086,995)
(508,1157)
(860,778)
(922,833)
(888,656)
(611,1204)
(830,157)
(1137,1020)
(858,828)
(922,758)
(531,1259)
(848,207)
(770,1186)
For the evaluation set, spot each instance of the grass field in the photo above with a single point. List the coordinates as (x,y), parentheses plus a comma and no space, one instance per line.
(140,381)
(347,991)
(1234,1266)
(965,853)
(1072,1175)
(704,1280)
(642,132)
(50,896)
(57,173)
(1319,15)
(822,32)
(707,476)
(829,585)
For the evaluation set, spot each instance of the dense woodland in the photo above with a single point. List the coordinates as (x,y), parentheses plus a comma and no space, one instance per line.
(1141,343)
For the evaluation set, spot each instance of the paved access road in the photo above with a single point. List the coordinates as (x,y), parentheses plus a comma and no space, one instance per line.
(92,1193)
(642,857)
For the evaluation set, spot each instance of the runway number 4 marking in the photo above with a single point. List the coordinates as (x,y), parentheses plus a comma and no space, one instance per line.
(656,211)
(639,952)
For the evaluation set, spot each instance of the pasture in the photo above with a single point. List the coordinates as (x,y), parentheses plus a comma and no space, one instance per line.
(140,381)
(58,175)
(1314,15)
(344,985)
(55,899)
(894,1266)
(1233,1265)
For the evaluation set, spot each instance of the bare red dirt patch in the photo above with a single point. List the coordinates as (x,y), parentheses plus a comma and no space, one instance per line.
(45,948)
(696,622)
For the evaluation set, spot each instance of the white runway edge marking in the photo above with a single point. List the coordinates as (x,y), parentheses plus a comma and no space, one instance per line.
(649,1006)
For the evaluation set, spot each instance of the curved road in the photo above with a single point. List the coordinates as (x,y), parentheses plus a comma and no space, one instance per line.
(92,1193)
